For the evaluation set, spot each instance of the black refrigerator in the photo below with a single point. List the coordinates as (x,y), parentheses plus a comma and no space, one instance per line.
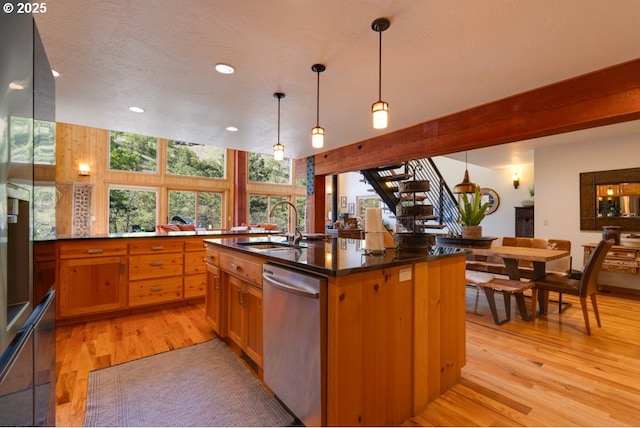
(27,327)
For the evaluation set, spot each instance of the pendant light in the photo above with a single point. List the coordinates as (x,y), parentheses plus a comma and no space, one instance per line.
(278,148)
(317,133)
(380,109)
(466,186)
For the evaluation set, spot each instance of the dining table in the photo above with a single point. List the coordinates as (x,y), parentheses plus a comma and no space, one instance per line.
(512,255)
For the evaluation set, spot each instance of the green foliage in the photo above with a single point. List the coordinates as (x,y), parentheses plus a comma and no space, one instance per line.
(131,207)
(195,160)
(132,152)
(265,169)
(472,210)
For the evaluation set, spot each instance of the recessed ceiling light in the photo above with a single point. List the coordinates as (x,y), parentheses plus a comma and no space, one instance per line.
(17,86)
(55,73)
(224,68)
(136,109)
(232,129)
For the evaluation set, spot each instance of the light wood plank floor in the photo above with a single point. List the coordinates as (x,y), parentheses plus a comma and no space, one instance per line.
(545,373)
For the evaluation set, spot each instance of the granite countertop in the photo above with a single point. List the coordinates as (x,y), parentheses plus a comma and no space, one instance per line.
(333,257)
(215,233)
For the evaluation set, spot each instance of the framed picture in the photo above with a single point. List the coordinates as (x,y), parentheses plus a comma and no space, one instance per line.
(352,208)
(343,202)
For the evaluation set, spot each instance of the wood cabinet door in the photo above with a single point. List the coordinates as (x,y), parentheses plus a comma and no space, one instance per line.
(235,310)
(92,285)
(252,301)
(213,301)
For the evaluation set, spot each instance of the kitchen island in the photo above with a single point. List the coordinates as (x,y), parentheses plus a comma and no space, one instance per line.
(392,326)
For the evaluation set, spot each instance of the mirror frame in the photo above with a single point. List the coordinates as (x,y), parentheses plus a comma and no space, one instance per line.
(589,219)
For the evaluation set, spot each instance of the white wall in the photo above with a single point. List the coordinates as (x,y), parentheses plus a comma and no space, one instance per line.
(557,172)
(502,221)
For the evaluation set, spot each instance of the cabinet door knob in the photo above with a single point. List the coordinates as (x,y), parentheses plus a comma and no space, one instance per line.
(156,263)
(157,247)
(234,266)
(95,250)
(157,288)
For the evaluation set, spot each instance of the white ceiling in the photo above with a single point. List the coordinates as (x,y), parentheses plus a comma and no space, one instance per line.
(438,57)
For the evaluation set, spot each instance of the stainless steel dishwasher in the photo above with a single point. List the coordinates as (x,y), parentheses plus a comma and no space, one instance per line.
(292,359)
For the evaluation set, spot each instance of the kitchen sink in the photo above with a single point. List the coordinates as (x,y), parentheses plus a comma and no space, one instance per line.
(271,246)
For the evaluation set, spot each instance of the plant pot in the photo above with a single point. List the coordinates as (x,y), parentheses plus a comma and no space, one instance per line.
(471,232)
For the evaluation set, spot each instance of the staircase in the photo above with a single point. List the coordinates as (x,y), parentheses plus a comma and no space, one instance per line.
(384,181)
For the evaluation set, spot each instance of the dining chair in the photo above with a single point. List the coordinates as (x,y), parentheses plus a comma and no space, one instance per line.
(586,286)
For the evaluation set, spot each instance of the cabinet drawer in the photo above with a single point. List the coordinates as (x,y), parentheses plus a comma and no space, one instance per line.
(155,266)
(93,248)
(242,268)
(194,245)
(146,246)
(195,285)
(155,291)
(212,256)
(194,263)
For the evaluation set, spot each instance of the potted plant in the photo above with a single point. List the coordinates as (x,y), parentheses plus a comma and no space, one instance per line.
(471,212)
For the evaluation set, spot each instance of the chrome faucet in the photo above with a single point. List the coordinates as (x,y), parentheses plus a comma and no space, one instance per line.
(297,235)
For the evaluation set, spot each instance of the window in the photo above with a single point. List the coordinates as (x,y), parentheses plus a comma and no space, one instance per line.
(265,169)
(132,210)
(260,206)
(204,208)
(44,142)
(44,211)
(367,202)
(194,159)
(20,140)
(132,152)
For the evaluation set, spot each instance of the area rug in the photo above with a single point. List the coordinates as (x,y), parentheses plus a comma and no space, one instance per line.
(200,385)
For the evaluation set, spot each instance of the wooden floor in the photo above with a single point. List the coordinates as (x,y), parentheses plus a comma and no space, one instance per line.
(545,373)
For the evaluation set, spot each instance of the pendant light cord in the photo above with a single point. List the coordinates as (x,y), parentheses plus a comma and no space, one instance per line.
(278,120)
(318,100)
(380,67)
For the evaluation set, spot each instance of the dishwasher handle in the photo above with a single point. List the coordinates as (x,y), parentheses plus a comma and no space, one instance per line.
(290,288)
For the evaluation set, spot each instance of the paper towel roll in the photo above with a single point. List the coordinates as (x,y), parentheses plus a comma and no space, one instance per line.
(374,242)
(373,220)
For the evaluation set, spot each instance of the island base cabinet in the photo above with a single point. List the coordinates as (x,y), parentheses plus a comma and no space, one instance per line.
(213,301)
(395,341)
(92,285)
(244,326)
(369,364)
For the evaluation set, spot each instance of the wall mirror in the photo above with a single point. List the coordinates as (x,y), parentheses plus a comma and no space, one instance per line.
(610,198)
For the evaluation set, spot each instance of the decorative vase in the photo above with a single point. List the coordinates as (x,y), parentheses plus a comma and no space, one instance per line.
(472,232)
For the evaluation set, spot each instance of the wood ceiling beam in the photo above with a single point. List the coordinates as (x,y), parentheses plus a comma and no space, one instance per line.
(603,97)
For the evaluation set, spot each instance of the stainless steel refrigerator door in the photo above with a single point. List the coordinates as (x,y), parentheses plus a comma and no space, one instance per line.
(16,381)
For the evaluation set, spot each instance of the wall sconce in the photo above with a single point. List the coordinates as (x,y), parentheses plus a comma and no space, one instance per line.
(516,180)
(84,170)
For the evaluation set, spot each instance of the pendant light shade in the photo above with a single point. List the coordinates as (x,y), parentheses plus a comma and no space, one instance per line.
(466,186)
(317,132)
(380,109)
(278,148)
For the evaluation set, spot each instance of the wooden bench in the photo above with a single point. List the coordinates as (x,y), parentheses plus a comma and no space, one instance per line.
(490,284)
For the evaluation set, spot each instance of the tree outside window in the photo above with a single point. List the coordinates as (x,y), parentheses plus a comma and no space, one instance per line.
(132,152)
(205,208)
(132,210)
(265,169)
(197,160)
